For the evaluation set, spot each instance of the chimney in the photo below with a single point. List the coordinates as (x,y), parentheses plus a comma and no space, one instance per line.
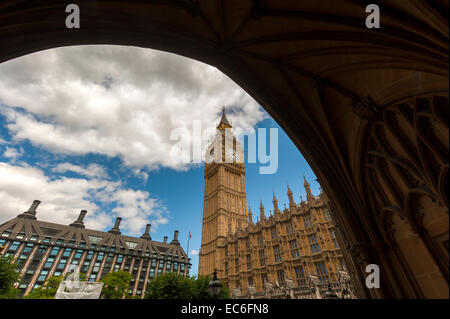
(79,221)
(165,240)
(175,238)
(115,229)
(31,212)
(32,209)
(146,234)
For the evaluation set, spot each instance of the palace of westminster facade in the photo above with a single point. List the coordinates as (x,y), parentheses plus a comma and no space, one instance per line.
(294,248)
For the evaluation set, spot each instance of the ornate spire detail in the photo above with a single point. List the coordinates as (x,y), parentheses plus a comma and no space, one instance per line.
(291,197)
(261,210)
(224,121)
(309,195)
(275,204)
(250,216)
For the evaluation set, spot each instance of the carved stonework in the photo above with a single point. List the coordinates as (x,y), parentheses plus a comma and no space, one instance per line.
(365,108)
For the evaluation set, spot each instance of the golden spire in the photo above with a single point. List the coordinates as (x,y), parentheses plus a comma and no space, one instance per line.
(223,121)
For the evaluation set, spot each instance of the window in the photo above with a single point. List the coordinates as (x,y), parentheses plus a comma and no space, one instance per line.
(6,233)
(130,244)
(260,239)
(333,237)
(280,275)
(326,215)
(152,272)
(85,267)
(54,251)
(78,254)
(182,267)
(67,252)
(100,256)
(249,262)
(226,268)
(168,266)
(313,244)
(322,272)
(262,258)
(62,264)
(71,243)
(277,253)
(290,228)
(28,248)
(300,274)
(273,232)
(42,249)
(90,255)
(42,276)
(13,247)
(92,277)
(47,239)
(34,237)
(264,278)
(82,244)
(94,239)
(20,235)
(96,267)
(307,220)
(295,252)
(49,262)
(236,264)
(59,241)
(341,261)
(250,281)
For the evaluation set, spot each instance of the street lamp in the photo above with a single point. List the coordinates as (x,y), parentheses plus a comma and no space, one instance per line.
(215,286)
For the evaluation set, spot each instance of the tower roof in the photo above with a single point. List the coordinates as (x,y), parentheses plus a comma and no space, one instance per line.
(224,121)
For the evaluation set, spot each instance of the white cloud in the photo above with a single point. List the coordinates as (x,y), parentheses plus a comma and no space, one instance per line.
(116,101)
(64,197)
(194,252)
(92,170)
(13,153)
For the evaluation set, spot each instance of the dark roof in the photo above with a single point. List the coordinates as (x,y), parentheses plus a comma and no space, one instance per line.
(80,234)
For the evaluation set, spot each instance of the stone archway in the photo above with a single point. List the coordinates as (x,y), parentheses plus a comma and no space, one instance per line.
(335,87)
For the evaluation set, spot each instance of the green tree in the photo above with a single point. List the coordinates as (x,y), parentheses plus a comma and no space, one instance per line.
(171,286)
(8,276)
(175,286)
(115,284)
(201,285)
(46,291)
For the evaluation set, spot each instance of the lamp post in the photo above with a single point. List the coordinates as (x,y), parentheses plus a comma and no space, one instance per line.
(215,286)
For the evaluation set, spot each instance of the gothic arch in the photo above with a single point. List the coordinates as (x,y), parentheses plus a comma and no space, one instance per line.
(316,69)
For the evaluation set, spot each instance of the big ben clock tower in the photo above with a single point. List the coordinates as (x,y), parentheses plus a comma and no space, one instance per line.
(225,203)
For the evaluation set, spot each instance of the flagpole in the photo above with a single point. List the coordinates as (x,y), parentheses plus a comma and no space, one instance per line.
(189,238)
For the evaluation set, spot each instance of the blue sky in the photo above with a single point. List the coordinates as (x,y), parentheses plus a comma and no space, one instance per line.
(74,142)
